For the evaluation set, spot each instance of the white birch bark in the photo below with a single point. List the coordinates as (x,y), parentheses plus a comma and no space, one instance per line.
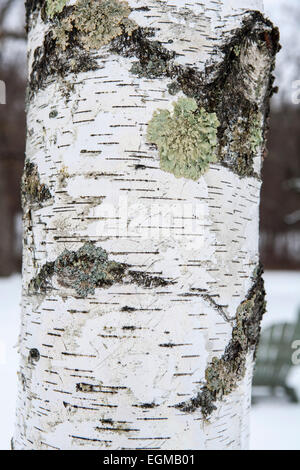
(106,370)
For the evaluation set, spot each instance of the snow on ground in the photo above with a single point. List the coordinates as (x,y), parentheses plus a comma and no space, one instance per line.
(283,296)
(275,424)
(10,290)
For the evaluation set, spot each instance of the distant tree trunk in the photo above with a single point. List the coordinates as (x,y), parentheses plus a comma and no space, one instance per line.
(6,229)
(142,289)
(12,146)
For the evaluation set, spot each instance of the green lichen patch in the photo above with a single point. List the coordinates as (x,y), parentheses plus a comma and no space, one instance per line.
(93,23)
(256,137)
(53,7)
(186,140)
(32,190)
(82,270)
(223,374)
(88,268)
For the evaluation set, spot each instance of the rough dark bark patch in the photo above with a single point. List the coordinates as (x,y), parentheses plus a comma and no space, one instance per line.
(30,7)
(223,374)
(75,31)
(51,62)
(32,190)
(88,268)
(217,89)
(128,309)
(153,59)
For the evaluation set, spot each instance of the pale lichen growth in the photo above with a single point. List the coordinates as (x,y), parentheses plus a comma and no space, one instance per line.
(256,137)
(53,7)
(186,139)
(82,270)
(93,23)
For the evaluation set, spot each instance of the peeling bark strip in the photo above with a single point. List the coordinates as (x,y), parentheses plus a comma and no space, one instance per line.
(224,374)
(140,310)
(89,268)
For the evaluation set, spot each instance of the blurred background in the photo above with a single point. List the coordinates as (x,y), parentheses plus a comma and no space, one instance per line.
(275,417)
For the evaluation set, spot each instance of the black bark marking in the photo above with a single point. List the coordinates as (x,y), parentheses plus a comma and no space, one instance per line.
(128,309)
(146,406)
(87,388)
(154,60)
(33,356)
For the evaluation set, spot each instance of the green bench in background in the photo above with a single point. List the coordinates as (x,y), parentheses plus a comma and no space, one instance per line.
(274,357)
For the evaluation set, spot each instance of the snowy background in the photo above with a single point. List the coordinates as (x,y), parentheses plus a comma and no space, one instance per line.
(275,423)
(286,15)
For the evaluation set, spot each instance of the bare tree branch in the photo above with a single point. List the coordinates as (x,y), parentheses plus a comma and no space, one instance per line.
(8,34)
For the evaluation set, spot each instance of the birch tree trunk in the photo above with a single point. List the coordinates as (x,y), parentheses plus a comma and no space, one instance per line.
(142,289)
